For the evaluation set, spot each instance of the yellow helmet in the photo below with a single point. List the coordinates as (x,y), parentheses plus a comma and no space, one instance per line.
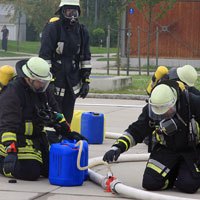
(187,74)
(163,98)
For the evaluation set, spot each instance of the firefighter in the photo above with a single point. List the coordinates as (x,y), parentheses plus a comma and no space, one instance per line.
(65,46)
(27,104)
(186,74)
(172,117)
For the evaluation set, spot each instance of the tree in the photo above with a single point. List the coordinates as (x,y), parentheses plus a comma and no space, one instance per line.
(147,7)
(17,6)
(37,12)
(121,6)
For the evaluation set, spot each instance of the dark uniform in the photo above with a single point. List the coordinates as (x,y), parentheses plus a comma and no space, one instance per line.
(66,48)
(19,123)
(5,38)
(174,160)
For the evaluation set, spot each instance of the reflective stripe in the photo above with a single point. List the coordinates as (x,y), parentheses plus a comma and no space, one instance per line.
(8,136)
(2,150)
(119,140)
(7,175)
(28,128)
(60,92)
(166,185)
(86,66)
(29,142)
(29,152)
(128,139)
(198,135)
(133,143)
(158,164)
(158,167)
(29,156)
(77,88)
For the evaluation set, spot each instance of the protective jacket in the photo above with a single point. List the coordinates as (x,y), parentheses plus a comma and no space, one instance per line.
(19,121)
(169,150)
(66,48)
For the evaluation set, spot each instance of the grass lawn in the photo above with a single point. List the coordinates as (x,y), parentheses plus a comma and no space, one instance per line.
(139,85)
(33,48)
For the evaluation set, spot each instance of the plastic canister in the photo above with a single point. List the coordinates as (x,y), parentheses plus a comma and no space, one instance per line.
(84,155)
(92,127)
(63,169)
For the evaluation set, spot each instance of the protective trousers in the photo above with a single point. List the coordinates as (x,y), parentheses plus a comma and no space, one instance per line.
(4,44)
(166,169)
(29,169)
(66,103)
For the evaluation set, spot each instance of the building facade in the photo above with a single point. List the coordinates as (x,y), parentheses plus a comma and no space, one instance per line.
(178,30)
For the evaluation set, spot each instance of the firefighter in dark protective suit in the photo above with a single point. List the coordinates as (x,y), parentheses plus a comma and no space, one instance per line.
(65,46)
(172,117)
(27,104)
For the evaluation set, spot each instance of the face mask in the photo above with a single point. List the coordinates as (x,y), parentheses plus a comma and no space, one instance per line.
(71,14)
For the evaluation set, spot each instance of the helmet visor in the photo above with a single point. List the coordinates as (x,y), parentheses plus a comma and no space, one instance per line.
(39,85)
(162,111)
(71,13)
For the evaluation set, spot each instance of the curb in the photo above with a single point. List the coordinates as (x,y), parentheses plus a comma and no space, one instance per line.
(117,96)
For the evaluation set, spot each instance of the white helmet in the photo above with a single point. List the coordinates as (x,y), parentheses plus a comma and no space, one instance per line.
(187,74)
(37,69)
(70,9)
(69,3)
(163,98)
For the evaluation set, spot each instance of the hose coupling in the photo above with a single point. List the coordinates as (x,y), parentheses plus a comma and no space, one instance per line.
(113,184)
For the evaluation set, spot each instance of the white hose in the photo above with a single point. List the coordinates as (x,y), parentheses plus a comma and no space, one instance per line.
(125,158)
(132,192)
(127,191)
(113,135)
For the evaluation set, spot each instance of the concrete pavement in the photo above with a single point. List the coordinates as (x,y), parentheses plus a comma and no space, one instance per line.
(119,114)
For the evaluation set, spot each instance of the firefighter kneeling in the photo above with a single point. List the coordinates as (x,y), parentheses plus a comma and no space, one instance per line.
(171,117)
(27,104)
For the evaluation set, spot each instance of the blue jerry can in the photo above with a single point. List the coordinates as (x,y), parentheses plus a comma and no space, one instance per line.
(63,169)
(92,127)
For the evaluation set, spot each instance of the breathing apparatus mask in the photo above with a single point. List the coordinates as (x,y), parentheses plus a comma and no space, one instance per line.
(71,14)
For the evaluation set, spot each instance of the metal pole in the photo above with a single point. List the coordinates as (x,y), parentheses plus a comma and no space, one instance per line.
(128,48)
(139,57)
(157,45)
(108,49)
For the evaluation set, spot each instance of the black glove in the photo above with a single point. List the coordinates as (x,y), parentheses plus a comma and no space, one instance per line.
(74,136)
(112,154)
(61,126)
(11,159)
(10,163)
(84,90)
